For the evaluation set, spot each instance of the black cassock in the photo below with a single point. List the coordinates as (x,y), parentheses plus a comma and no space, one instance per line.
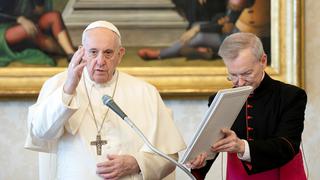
(272,123)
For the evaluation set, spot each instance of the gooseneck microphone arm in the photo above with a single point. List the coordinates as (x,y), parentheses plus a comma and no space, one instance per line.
(108,101)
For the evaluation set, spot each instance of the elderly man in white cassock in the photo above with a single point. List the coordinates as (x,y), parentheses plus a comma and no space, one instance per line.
(78,137)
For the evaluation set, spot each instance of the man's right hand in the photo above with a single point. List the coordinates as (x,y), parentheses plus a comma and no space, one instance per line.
(198,162)
(75,70)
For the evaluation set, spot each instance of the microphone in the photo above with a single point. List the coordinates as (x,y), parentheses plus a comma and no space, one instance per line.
(108,101)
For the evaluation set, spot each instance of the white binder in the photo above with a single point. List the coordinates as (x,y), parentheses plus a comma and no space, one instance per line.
(222,113)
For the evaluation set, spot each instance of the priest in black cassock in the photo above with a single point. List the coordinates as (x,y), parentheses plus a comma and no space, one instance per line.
(264,141)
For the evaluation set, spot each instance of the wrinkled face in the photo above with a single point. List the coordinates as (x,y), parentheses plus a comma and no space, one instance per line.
(102,53)
(246,70)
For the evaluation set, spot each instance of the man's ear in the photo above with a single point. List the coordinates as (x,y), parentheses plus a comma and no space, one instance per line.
(122,52)
(264,60)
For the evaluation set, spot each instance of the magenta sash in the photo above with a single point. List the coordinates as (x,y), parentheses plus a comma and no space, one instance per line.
(293,170)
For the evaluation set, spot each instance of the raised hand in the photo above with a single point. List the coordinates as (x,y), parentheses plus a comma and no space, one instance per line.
(75,70)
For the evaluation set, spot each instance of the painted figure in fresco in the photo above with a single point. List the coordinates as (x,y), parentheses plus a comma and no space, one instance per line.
(29,32)
(203,39)
(199,10)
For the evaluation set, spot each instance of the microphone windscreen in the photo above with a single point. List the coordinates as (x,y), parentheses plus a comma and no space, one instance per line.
(108,101)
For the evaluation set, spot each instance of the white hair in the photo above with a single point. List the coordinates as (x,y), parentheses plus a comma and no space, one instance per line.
(233,44)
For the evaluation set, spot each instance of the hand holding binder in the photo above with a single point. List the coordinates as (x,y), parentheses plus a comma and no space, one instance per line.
(221,114)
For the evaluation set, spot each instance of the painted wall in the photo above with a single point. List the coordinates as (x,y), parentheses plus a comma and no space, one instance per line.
(311,135)
(17,163)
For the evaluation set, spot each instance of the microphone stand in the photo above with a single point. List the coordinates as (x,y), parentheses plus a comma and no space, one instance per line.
(137,130)
(108,101)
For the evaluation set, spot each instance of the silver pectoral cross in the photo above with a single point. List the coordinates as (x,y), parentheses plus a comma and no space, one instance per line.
(98,143)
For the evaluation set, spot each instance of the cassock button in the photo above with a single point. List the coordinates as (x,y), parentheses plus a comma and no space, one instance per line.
(249,117)
(250,128)
(249,106)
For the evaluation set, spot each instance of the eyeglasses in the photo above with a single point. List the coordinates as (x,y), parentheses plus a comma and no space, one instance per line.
(246,76)
(107,54)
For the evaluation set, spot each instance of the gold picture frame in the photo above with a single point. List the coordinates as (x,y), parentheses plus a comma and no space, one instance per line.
(287,65)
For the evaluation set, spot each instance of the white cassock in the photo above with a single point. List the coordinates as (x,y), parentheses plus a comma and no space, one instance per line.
(61,127)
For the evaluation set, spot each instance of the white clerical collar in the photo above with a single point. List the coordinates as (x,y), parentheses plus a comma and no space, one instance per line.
(262,75)
(90,83)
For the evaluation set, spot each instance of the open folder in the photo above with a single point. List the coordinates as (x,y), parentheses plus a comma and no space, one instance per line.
(222,112)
